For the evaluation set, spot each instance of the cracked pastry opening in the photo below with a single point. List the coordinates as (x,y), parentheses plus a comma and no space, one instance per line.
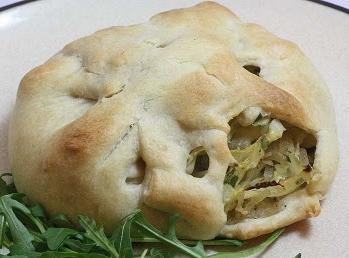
(136,176)
(273,159)
(253,69)
(198,162)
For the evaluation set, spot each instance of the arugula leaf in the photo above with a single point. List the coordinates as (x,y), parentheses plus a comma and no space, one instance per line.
(55,254)
(19,232)
(38,237)
(37,211)
(19,250)
(78,246)
(60,220)
(56,236)
(157,253)
(28,219)
(199,248)
(2,228)
(27,232)
(252,250)
(169,239)
(96,234)
(122,237)
(224,242)
(214,242)
(37,222)
(144,253)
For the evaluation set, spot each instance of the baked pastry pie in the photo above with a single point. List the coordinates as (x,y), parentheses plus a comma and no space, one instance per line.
(194,112)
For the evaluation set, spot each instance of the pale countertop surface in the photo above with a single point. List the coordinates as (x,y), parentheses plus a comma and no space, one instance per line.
(31,33)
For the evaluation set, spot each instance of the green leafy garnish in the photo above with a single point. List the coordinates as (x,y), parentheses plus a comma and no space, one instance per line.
(170,238)
(214,242)
(78,246)
(253,250)
(60,220)
(27,233)
(97,235)
(56,236)
(19,232)
(157,253)
(122,237)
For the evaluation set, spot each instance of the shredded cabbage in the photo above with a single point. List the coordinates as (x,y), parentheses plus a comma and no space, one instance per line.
(249,115)
(270,164)
(275,130)
(247,158)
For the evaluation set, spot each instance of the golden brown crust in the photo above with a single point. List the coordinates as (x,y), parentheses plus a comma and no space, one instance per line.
(155,91)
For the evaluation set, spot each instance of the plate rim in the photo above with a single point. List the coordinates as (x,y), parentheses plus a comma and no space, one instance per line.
(321,2)
(331,5)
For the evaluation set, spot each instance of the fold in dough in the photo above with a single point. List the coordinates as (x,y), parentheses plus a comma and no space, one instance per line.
(106,125)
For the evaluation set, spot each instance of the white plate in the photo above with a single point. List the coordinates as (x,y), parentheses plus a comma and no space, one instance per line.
(31,33)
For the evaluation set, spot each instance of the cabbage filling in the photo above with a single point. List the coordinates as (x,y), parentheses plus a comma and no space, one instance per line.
(273,159)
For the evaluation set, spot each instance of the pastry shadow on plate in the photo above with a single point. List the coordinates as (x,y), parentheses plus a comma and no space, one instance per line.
(301,228)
